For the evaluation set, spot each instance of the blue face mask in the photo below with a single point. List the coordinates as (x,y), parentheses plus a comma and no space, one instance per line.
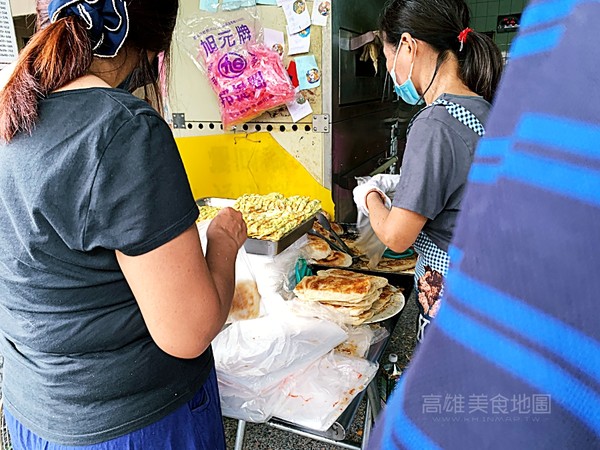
(406,90)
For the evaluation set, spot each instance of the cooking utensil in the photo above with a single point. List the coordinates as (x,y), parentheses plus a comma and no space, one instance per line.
(331,243)
(325,224)
(334,245)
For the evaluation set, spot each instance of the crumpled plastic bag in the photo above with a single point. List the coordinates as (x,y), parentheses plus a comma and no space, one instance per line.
(242,403)
(318,395)
(276,274)
(368,243)
(253,357)
(360,340)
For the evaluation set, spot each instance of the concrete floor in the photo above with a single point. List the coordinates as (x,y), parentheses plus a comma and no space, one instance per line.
(264,437)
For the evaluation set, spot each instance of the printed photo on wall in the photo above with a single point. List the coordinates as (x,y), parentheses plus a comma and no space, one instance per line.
(274,40)
(321,10)
(299,107)
(296,15)
(299,42)
(309,75)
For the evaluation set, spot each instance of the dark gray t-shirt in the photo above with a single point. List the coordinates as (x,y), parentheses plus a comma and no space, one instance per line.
(439,152)
(101,172)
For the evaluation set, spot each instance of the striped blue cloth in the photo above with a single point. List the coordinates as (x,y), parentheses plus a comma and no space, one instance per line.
(513,358)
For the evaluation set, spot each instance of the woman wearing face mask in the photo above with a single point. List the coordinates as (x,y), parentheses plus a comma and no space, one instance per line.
(108,305)
(432,57)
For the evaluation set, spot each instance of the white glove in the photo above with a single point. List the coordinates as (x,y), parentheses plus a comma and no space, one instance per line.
(387,183)
(361,191)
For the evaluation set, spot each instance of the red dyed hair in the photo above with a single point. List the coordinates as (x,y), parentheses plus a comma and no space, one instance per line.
(54,56)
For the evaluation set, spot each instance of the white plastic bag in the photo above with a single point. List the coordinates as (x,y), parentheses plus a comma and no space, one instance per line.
(276,274)
(317,396)
(240,402)
(358,342)
(260,353)
(368,243)
(246,303)
(254,357)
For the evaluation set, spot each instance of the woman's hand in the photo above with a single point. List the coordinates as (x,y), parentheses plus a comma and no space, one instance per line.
(362,191)
(384,184)
(228,225)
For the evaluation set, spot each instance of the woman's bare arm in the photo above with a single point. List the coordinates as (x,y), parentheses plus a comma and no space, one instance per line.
(397,228)
(184,297)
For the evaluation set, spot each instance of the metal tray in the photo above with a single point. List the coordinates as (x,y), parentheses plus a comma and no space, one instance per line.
(262,246)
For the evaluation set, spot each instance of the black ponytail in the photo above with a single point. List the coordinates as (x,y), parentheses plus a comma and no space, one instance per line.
(480,64)
(439,22)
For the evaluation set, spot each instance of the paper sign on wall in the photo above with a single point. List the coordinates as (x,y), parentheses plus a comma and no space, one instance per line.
(229,5)
(209,5)
(299,107)
(321,10)
(299,42)
(274,40)
(296,13)
(309,75)
(8,40)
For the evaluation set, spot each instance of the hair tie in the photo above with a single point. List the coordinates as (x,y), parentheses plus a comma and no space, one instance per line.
(106,20)
(462,37)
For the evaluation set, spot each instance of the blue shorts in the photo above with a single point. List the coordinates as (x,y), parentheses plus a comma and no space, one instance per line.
(197,425)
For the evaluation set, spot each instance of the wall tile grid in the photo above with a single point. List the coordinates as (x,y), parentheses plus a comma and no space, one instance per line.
(484,17)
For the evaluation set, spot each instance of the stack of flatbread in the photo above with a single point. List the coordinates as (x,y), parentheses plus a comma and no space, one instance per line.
(354,296)
(321,253)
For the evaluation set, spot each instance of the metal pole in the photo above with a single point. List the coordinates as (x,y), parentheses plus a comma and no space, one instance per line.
(239,435)
(367,425)
(342,444)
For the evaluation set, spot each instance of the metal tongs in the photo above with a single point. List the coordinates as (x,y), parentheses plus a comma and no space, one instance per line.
(331,243)
(325,224)
(339,244)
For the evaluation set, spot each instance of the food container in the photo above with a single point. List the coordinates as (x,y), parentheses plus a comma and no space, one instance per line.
(262,246)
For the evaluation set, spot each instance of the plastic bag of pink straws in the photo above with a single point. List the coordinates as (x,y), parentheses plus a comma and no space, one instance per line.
(247,76)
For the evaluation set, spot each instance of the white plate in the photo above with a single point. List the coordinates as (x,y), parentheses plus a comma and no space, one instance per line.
(389,311)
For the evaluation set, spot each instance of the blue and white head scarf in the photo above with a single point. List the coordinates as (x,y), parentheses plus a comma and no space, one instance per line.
(106,20)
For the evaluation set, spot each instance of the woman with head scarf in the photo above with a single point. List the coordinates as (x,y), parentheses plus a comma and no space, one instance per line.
(107,302)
